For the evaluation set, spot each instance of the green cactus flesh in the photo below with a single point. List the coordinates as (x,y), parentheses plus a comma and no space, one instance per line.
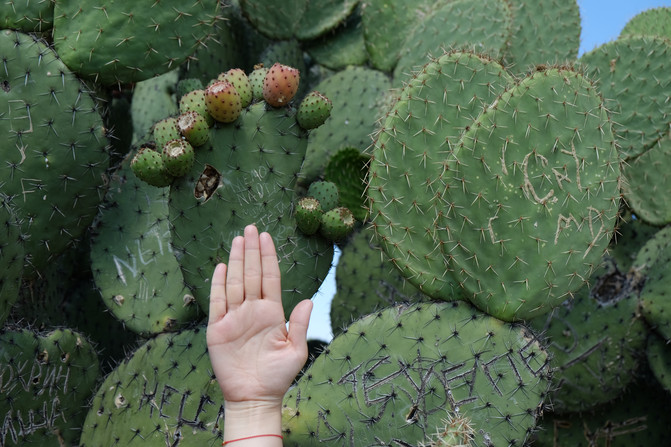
(631,234)
(347,169)
(595,341)
(658,354)
(344,46)
(358,95)
(165,392)
(651,22)
(273,22)
(532,192)
(323,16)
(633,76)
(393,376)
(11,258)
(112,43)
(544,32)
(646,185)
(45,379)
(246,174)
(366,281)
(153,100)
(133,265)
(654,302)
(55,151)
(482,26)
(27,16)
(404,190)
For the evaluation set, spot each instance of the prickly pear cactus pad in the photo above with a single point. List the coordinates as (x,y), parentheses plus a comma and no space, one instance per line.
(153,100)
(358,95)
(323,16)
(366,281)
(45,379)
(651,22)
(532,192)
(347,168)
(544,32)
(164,394)
(654,301)
(275,21)
(393,376)
(133,265)
(245,174)
(55,150)
(648,182)
(114,43)
(11,257)
(482,26)
(27,16)
(633,76)
(595,341)
(658,354)
(404,191)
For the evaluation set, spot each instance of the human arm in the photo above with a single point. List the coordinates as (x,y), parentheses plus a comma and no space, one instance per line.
(254,357)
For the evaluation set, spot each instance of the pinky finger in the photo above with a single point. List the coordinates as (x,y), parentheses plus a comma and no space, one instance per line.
(218,294)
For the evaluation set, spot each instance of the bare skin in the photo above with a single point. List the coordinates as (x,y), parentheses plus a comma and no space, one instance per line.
(254,357)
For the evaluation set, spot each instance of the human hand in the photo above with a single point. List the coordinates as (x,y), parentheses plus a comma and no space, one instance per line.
(254,357)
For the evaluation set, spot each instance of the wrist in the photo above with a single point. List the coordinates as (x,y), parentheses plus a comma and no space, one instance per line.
(251,418)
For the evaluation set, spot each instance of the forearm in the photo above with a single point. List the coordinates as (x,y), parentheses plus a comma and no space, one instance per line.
(250,419)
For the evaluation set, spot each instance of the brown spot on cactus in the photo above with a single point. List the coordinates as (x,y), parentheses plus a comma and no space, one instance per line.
(280,85)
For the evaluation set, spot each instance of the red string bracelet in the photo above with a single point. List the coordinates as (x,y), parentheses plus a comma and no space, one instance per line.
(252,437)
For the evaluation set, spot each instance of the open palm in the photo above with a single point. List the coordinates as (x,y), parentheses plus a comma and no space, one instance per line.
(253,355)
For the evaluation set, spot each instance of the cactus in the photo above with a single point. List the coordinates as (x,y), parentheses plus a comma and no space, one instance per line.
(153,100)
(347,170)
(11,258)
(394,375)
(111,44)
(164,392)
(46,377)
(56,150)
(651,22)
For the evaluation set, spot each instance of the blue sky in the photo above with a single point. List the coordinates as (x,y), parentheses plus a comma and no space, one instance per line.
(602,21)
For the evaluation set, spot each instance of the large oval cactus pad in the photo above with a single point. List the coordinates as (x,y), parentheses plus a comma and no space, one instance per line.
(533,191)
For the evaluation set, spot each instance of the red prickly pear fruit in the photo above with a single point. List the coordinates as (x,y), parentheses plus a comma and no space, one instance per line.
(178,157)
(148,166)
(193,126)
(240,81)
(313,111)
(223,101)
(280,84)
(256,78)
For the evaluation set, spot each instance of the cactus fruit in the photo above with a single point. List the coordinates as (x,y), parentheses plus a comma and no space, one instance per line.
(256,78)
(195,101)
(165,130)
(396,374)
(178,157)
(313,110)
(223,101)
(149,166)
(153,100)
(240,81)
(347,168)
(308,215)
(337,224)
(280,85)
(326,193)
(46,378)
(194,127)
(165,392)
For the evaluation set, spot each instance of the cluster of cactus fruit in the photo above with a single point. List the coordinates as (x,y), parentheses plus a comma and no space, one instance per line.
(499,204)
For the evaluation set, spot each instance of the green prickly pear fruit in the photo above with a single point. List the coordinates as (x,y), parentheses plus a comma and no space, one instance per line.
(178,157)
(223,101)
(166,130)
(314,110)
(256,78)
(326,193)
(193,126)
(195,100)
(148,166)
(308,215)
(240,81)
(337,224)
(280,84)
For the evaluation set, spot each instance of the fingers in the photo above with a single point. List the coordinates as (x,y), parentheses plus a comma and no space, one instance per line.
(298,324)
(235,289)
(218,294)
(271,283)
(253,273)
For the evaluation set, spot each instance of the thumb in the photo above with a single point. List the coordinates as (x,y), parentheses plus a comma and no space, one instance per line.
(298,324)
